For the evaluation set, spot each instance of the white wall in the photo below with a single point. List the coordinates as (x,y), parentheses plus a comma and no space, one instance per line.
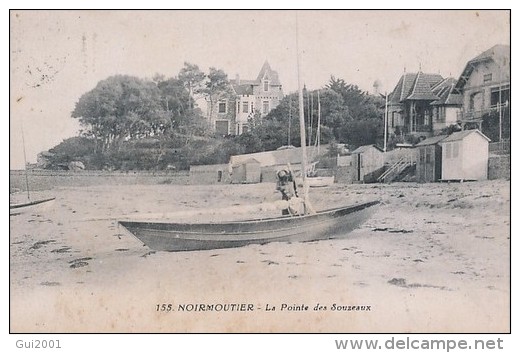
(452,166)
(471,161)
(476,150)
(451,115)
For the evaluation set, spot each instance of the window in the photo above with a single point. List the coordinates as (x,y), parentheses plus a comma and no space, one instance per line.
(421,155)
(499,94)
(428,157)
(245,129)
(245,107)
(440,114)
(265,107)
(222,107)
(393,119)
(266,85)
(488,77)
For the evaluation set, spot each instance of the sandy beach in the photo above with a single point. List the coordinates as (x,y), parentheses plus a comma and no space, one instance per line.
(433,258)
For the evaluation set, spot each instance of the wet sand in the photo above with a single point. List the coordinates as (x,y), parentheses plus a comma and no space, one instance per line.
(434,258)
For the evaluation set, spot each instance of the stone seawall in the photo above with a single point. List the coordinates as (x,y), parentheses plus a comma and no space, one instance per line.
(499,166)
(49,179)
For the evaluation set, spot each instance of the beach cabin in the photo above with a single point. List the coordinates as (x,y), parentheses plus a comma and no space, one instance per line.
(366,161)
(247,172)
(272,161)
(429,159)
(209,174)
(465,156)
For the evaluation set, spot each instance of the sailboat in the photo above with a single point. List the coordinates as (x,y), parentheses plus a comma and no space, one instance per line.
(310,226)
(29,205)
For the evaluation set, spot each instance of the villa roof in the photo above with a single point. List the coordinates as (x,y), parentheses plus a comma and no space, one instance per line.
(415,86)
(272,75)
(245,87)
(499,53)
(445,93)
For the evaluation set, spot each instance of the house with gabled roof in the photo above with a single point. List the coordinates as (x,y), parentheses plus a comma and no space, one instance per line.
(447,107)
(422,104)
(260,96)
(484,85)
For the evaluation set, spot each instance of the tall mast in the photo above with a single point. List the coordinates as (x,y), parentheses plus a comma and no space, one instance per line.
(290,118)
(25,163)
(318,129)
(386,121)
(302,117)
(499,105)
(310,117)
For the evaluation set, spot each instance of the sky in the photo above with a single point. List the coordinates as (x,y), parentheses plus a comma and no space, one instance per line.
(57,56)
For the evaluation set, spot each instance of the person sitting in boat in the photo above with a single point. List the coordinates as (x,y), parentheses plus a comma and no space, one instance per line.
(286,184)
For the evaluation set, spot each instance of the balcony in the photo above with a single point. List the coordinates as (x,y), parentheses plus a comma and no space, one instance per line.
(416,129)
(422,128)
(476,115)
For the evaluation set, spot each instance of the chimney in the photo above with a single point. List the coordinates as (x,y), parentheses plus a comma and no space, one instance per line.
(237,79)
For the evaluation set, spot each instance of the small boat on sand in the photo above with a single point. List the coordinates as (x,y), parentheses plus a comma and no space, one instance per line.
(309,226)
(329,224)
(17,208)
(30,206)
(319,182)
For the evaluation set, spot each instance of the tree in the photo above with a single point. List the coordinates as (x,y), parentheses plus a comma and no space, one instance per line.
(77,148)
(334,113)
(193,79)
(353,97)
(217,87)
(120,107)
(362,123)
(361,132)
(176,102)
(277,122)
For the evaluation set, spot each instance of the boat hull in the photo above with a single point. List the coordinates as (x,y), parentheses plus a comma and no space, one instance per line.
(328,224)
(316,182)
(32,206)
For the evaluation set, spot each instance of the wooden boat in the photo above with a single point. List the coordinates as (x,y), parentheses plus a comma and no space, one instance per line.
(317,181)
(30,206)
(311,226)
(333,223)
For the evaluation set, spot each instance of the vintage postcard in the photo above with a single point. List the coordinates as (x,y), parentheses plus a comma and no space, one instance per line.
(270,171)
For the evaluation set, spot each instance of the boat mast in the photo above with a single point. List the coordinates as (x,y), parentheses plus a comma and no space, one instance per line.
(318,128)
(386,121)
(302,118)
(290,118)
(25,163)
(310,116)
